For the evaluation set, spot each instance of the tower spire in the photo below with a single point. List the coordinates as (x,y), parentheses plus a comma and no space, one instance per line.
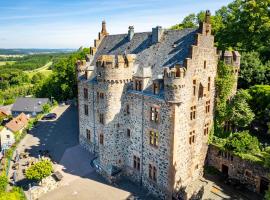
(103,30)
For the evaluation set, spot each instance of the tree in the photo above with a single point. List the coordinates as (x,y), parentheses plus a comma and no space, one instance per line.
(253,71)
(242,142)
(260,104)
(239,112)
(189,21)
(37,78)
(46,108)
(39,170)
(246,25)
(62,84)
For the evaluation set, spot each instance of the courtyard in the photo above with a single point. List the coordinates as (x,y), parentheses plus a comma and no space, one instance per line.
(80,181)
(59,137)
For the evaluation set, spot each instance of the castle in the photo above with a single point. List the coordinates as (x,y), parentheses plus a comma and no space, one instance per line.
(146,103)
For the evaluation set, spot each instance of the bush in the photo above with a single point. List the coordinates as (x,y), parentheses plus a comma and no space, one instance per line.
(46,108)
(3,182)
(39,170)
(242,142)
(15,194)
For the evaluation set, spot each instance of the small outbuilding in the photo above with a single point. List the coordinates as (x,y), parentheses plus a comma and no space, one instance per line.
(28,105)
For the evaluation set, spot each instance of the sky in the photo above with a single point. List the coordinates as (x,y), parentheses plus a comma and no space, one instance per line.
(75,23)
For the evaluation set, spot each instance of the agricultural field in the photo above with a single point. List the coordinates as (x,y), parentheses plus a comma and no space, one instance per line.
(6,62)
(45,70)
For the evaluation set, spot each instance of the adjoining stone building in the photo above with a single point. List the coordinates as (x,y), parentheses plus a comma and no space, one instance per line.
(254,176)
(146,105)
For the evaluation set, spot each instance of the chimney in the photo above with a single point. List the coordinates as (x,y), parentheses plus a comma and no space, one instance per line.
(130,32)
(156,34)
(207,17)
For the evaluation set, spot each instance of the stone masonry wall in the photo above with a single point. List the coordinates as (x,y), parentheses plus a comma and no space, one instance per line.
(245,171)
(201,70)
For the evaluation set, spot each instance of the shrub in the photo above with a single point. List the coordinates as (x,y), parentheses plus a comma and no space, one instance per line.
(46,108)
(39,170)
(242,142)
(3,182)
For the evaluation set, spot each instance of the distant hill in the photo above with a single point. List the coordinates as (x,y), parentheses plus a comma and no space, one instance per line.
(33,51)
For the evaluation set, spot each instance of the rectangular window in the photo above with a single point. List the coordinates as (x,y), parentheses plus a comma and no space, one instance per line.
(206,129)
(86,110)
(192,137)
(209,83)
(101,95)
(101,118)
(128,133)
(97,97)
(138,85)
(155,88)
(101,139)
(192,112)
(85,93)
(204,64)
(207,106)
(153,138)
(127,109)
(152,172)
(194,87)
(88,135)
(136,163)
(154,114)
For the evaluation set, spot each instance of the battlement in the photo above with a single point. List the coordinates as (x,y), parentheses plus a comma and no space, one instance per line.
(174,82)
(115,67)
(231,58)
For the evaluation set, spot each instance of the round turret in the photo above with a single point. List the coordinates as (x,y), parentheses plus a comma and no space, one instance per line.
(174,84)
(115,69)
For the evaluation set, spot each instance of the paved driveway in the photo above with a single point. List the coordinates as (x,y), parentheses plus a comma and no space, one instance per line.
(80,181)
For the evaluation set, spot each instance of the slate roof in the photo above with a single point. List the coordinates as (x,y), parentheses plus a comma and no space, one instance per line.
(27,104)
(18,123)
(173,47)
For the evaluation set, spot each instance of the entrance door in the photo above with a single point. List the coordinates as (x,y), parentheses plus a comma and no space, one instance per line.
(263,185)
(225,169)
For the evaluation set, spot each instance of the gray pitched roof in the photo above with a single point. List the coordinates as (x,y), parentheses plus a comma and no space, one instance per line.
(27,104)
(173,48)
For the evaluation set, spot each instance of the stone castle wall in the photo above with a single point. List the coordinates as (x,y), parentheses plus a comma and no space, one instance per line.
(178,162)
(247,172)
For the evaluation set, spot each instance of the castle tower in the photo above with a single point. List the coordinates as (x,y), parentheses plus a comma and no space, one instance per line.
(174,84)
(114,74)
(190,91)
(232,58)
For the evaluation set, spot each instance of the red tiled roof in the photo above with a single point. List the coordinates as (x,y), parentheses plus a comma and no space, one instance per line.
(18,123)
(4,112)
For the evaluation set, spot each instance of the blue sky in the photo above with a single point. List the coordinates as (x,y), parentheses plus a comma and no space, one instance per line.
(75,23)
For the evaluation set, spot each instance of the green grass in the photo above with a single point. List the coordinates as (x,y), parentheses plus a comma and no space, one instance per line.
(44,70)
(6,62)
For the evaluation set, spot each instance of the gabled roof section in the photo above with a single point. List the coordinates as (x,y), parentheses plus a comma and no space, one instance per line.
(18,123)
(27,104)
(173,47)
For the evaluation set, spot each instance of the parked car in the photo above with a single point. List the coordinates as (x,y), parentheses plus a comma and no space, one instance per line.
(49,116)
